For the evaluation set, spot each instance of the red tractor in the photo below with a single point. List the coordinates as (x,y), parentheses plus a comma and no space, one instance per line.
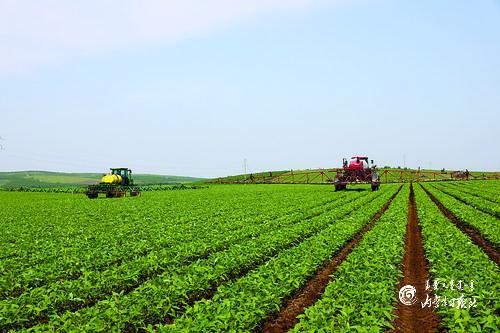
(358,171)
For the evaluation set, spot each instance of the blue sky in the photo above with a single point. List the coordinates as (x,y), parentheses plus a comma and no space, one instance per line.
(193,88)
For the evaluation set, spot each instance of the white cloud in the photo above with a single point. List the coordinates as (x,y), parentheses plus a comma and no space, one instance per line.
(36,33)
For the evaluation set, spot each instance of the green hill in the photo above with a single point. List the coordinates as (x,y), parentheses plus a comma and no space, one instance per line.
(55,179)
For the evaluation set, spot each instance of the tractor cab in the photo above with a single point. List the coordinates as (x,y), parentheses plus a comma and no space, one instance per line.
(357,163)
(125,174)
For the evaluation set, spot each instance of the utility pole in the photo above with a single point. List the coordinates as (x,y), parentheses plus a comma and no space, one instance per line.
(245,168)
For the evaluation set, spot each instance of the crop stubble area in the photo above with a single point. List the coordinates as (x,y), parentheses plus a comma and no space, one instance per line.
(251,258)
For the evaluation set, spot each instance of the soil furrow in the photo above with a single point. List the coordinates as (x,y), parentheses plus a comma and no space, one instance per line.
(474,235)
(314,287)
(414,317)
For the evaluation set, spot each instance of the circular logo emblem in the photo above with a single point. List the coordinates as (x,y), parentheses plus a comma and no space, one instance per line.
(408,295)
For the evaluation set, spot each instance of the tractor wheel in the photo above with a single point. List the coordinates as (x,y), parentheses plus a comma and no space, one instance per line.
(135,193)
(92,195)
(339,187)
(375,187)
(110,195)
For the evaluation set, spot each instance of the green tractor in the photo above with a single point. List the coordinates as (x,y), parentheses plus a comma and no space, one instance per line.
(115,185)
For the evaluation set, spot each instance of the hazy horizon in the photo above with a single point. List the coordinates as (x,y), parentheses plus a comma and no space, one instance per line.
(193,88)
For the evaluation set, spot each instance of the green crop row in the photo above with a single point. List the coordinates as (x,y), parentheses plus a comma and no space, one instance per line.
(167,294)
(16,277)
(474,201)
(242,305)
(84,242)
(362,293)
(453,257)
(93,285)
(487,225)
(489,190)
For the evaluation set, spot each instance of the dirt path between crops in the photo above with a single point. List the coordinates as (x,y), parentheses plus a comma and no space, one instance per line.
(314,288)
(471,232)
(413,317)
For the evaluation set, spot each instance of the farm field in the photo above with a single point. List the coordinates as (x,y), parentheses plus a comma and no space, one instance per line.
(254,258)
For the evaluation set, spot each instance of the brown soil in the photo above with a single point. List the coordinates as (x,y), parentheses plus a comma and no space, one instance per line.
(414,318)
(314,288)
(473,234)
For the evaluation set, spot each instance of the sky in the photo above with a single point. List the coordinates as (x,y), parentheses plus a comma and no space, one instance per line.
(195,87)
